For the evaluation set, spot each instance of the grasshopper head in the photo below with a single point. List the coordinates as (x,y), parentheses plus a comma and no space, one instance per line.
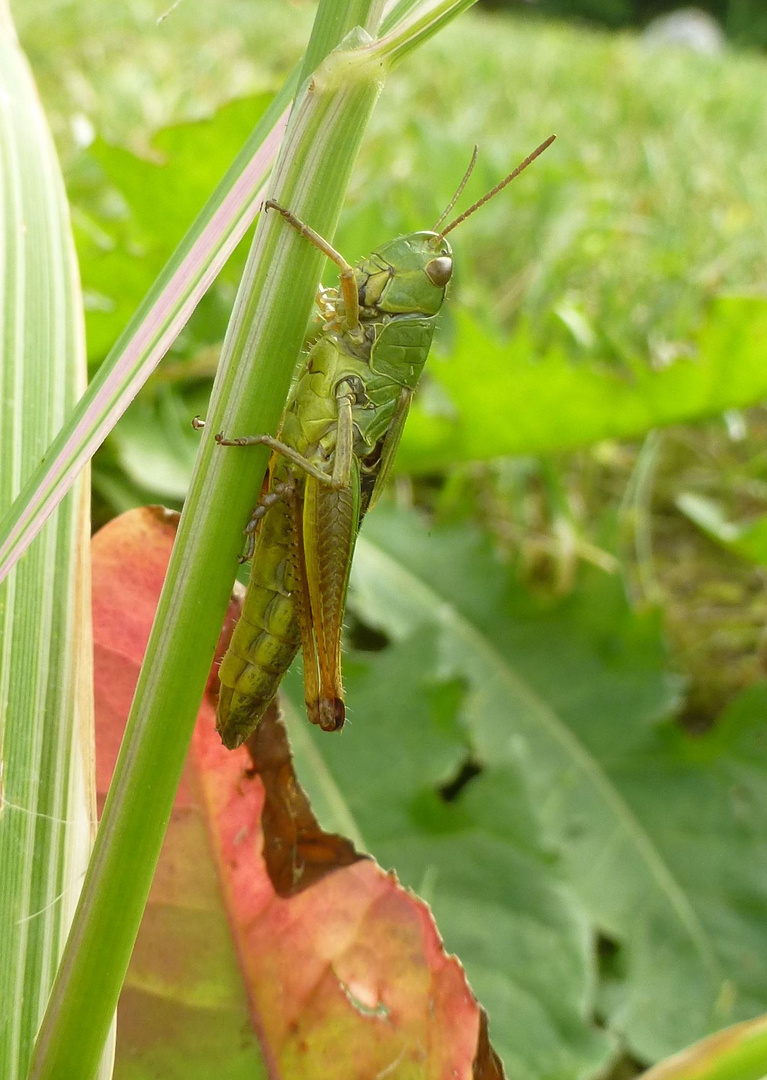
(407,275)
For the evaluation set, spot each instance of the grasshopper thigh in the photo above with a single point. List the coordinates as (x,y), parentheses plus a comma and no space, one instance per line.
(330,524)
(267,635)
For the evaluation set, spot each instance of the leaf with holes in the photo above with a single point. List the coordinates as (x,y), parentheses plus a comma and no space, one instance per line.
(497,893)
(660,834)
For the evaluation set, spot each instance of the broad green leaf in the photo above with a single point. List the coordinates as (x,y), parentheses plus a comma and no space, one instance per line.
(661,834)
(748,539)
(498,398)
(156,444)
(46,698)
(133,211)
(497,894)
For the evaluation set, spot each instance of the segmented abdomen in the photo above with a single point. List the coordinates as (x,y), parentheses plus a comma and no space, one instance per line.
(268,634)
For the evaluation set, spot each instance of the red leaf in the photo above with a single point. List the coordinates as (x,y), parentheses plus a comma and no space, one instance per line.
(340,972)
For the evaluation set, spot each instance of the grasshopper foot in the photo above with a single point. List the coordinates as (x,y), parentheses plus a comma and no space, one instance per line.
(327,713)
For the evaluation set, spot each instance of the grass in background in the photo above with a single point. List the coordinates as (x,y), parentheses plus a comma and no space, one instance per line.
(652,202)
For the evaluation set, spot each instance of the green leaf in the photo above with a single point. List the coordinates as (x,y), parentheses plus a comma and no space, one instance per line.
(156,444)
(737,1053)
(660,833)
(746,539)
(496,892)
(503,398)
(132,211)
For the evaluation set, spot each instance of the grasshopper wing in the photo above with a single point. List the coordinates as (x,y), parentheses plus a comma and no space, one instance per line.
(389,445)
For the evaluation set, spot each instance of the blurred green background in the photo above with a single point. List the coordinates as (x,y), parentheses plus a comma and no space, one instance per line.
(743,21)
(589,439)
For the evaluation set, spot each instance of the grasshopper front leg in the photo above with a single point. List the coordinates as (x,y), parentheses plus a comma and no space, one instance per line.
(346,277)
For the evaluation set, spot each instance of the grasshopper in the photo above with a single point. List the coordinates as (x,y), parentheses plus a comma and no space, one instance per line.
(335,447)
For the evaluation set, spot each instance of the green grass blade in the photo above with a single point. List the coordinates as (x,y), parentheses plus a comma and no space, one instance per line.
(47,814)
(338,21)
(409,25)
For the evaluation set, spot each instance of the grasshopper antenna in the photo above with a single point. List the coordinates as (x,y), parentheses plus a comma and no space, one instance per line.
(494,191)
(459,190)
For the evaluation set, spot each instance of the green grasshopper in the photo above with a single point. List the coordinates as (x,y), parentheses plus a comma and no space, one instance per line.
(336,444)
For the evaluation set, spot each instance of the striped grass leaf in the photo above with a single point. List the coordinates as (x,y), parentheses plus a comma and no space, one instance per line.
(47,813)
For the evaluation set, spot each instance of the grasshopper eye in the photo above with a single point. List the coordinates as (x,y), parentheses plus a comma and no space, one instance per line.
(439,270)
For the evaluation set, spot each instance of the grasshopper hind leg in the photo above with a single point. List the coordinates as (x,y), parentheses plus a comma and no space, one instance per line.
(324,706)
